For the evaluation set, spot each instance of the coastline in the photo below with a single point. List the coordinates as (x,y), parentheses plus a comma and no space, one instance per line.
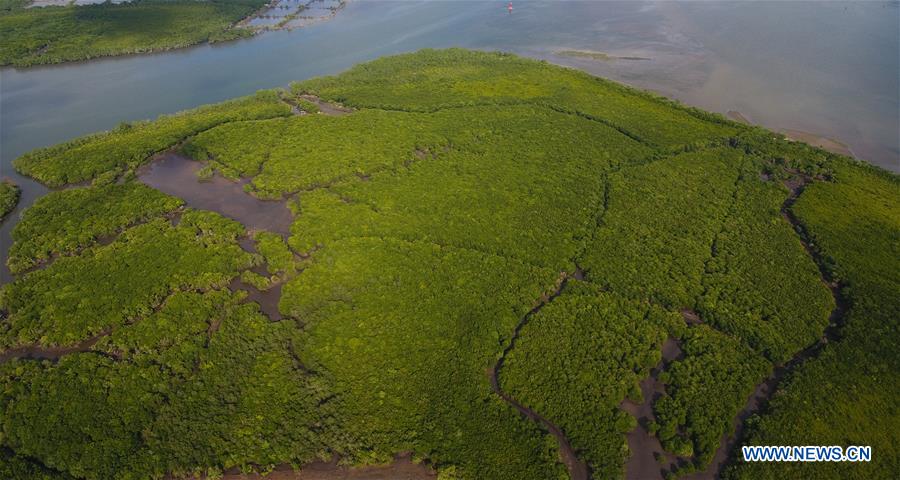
(820,141)
(239,30)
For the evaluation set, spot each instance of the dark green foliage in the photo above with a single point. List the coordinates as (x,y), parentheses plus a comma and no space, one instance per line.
(248,402)
(64,221)
(431,80)
(77,297)
(7,6)
(205,382)
(848,394)
(131,145)
(761,285)
(578,358)
(21,468)
(783,155)
(9,197)
(660,221)
(279,258)
(428,223)
(60,34)
(407,330)
(83,415)
(171,336)
(704,392)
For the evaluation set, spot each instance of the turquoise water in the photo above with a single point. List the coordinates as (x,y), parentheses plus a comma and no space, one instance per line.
(830,68)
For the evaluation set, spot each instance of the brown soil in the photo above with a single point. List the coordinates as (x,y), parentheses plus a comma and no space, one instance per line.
(690,317)
(648,460)
(738,117)
(825,143)
(326,108)
(37,352)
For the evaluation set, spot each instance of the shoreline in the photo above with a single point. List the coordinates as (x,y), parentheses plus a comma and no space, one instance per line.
(820,141)
(245,32)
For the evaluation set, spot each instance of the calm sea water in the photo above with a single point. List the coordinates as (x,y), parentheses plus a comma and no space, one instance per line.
(830,68)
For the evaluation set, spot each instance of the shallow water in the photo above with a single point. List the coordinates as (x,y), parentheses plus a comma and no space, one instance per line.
(177,175)
(829,68)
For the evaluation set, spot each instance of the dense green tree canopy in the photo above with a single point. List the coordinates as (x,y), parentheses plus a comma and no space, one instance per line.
(474,214)
(35,36)
(9,197)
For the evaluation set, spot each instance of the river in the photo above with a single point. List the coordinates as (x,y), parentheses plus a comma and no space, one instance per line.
(829,68)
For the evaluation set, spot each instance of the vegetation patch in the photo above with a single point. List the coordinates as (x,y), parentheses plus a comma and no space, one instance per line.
(9,197)
(705,390)
(578,358)
(469,199)
(107,286)
(60,34)
(132,144)
(844,396)
(62,222)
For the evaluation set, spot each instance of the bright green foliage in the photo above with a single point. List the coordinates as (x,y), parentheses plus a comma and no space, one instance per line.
(431,80)
(408,330)
(848,394)
(59,34)
(131,145)
(204,382)
(249,402)
(77,297)
(307,106)
(279,258)
(256,280)
(83,415)
(660,221)
(507,206)
(65,221)
(761,285)
(425,231)
(9,197)
(704,392)
(237,149)
(304,152)
(578,358)
(211,227)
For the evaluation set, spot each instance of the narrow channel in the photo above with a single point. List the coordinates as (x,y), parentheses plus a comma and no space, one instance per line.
(578,470)
(760,397)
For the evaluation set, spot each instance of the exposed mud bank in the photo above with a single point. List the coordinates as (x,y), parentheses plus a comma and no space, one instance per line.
(823,142)
(578,470)
(326,108)
(267,299)
(176,175)
(648,459)
(37,352)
